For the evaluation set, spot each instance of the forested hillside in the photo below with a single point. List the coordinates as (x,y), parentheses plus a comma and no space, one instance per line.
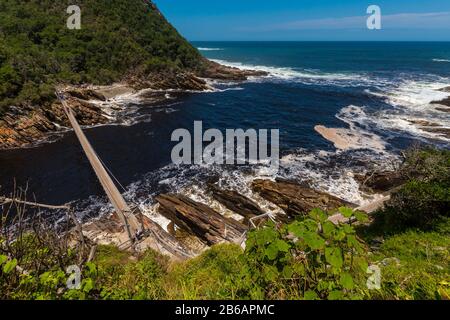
(117,38)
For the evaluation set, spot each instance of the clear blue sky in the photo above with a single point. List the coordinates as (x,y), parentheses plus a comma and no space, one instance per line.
(307,19)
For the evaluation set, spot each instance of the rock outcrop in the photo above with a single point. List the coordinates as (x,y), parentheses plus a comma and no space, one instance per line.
(24,126)
(381,181)
(444,102)
(236,202)
(199,219)
(214,70)
(295,199)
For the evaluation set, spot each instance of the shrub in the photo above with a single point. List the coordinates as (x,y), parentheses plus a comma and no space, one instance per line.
(425,199)
(309,259)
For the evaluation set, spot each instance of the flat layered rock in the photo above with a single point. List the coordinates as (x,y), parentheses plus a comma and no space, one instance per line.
(214,70)
(236,202)
(295,199)
(199,219)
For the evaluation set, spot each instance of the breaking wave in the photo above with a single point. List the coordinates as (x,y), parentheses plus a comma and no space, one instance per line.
(304,75)
(210,49)
(411,110)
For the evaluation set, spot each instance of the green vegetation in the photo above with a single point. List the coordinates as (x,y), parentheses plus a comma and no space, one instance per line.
(117,38)
(425,199)
(415,265)
(309,258)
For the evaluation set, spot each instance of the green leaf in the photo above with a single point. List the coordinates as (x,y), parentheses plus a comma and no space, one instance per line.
(287,272)
(328,228)
(352,242)
(347,281)
(297,229)
(3,259)
(266,235)
(362,264)
(272,251)
(310,295)
(348,229)
(335,295)
(92,268)
(323,285)
(88,285)
(361,216)
(10,266)
(311,225)
(283,246)
(270,273)
(346,212)
(314,241)
(318,215)
(333,256)
(299,269)
(340,235)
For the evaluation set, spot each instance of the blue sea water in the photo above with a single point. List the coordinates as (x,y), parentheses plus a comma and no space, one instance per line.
(377,92)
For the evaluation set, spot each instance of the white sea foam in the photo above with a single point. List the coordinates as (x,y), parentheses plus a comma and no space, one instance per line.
(441,60)
(210,49)
(411,108)
(301,75)
(317,170)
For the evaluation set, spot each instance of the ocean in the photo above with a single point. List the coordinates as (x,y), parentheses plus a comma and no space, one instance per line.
(378,91)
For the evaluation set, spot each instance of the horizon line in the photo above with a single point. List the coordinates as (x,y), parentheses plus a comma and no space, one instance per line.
(319,40)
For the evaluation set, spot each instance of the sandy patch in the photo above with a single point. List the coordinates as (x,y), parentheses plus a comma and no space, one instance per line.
(346,139)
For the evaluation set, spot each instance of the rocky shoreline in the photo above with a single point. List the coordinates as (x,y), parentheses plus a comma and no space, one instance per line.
(26,126)
(195,226)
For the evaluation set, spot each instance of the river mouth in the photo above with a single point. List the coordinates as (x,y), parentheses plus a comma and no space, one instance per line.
(138,149)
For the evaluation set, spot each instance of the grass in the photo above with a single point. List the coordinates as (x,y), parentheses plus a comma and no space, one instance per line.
(415,264)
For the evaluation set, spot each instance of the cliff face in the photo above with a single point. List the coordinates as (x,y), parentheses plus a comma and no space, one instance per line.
(126,41)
